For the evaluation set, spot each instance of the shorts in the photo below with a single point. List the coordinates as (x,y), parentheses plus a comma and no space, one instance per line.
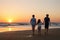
(46,26)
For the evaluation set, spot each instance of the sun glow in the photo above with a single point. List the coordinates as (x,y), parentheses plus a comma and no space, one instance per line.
(10,20)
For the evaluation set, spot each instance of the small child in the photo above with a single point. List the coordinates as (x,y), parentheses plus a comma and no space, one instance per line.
(39,23)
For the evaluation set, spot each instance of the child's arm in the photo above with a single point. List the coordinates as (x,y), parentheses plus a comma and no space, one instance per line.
(36,23)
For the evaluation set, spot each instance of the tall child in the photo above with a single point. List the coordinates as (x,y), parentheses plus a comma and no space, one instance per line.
(33,23)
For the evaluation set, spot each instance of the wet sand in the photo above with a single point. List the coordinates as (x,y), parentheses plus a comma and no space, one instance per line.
(53,34)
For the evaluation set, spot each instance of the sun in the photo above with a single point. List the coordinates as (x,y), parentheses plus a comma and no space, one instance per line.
(10,20)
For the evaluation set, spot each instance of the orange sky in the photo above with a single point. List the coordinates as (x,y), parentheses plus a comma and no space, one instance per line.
(22,10)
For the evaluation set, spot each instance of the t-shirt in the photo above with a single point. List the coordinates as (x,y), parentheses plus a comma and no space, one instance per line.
(47,20)
(39,24)
(33,21)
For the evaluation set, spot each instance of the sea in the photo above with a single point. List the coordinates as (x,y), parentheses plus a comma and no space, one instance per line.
(24,27)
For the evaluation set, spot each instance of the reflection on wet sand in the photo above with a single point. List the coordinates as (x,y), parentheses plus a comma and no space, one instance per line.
(20,28)
(12,28)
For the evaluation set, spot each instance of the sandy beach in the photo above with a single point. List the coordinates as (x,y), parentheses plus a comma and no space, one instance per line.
(53,34)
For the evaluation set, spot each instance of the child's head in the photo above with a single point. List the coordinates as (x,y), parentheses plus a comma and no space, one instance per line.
(47,15)
(39,20)
(33,16)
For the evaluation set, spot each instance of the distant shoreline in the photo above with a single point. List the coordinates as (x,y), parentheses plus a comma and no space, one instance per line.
(18,24)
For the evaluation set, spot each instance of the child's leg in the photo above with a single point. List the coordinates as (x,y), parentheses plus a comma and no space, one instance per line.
(46,31)
(33,29)
(39,30)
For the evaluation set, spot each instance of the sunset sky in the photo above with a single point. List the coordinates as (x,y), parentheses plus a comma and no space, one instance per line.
(22,10)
